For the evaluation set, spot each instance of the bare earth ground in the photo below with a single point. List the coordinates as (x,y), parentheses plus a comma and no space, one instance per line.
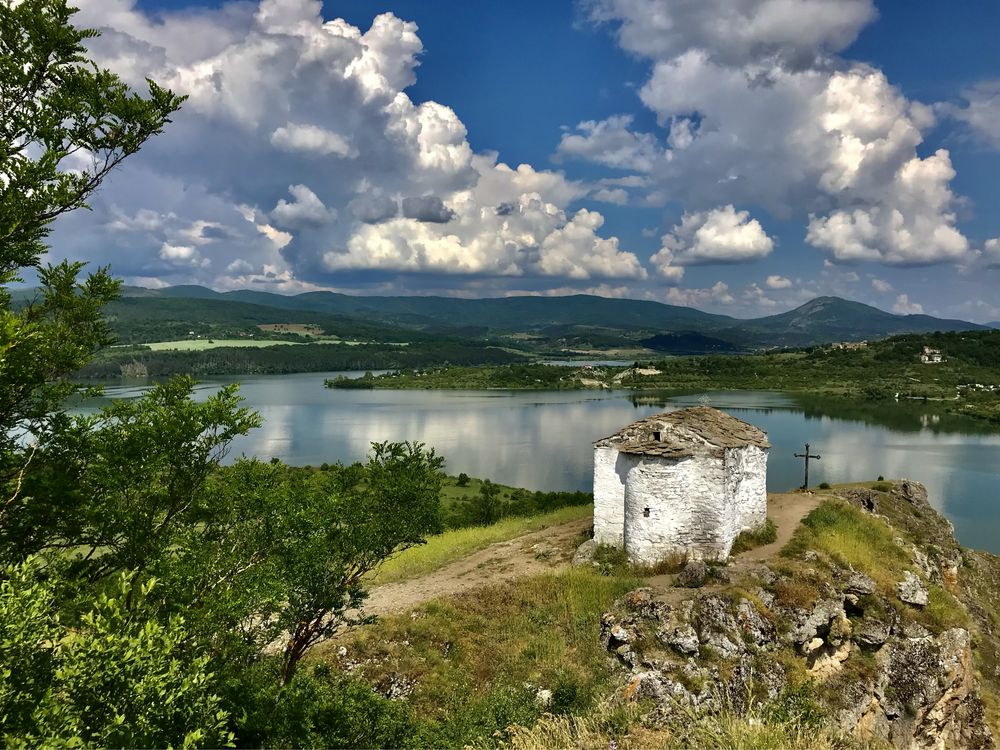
(551,549)
(498,562)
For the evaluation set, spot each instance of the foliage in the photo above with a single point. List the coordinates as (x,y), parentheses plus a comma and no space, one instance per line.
(341,537)
(485,507)
(463,480)
(116,678)
(319,708)
(765,533)
(124,482)
(307,357)
(58,107)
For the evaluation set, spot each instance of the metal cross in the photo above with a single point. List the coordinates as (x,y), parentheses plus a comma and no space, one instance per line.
(807,455)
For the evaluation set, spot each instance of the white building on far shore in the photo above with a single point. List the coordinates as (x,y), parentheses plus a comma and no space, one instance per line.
(931,356)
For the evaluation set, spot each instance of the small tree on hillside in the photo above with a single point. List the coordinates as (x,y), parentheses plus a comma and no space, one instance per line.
(486,505)
(336,535)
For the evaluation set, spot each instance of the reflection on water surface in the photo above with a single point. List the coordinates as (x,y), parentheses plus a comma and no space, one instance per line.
(541,440)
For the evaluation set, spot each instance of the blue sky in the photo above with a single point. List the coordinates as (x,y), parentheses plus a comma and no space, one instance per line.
(736,156)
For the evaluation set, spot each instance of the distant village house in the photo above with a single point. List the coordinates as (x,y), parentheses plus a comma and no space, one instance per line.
(931,356)
(683,483)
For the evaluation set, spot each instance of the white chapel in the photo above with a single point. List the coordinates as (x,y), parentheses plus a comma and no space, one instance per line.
(683,483)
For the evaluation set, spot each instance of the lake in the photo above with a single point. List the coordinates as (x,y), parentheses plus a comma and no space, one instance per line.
(542,440)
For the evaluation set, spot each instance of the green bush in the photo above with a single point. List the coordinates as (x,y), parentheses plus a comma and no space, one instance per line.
(566,695)
(319,708)
(115,679)
(611,560)
(824,485)
(481,720)
(765,533)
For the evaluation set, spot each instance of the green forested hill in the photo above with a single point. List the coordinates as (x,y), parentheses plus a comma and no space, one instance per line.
(822,320)
(137,320)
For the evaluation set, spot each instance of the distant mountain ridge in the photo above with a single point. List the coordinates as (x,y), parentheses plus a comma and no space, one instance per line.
(822,320)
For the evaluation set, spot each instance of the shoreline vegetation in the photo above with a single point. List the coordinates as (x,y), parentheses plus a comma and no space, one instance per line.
(967,382)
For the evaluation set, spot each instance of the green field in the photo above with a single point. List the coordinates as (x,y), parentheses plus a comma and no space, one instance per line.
(195,345)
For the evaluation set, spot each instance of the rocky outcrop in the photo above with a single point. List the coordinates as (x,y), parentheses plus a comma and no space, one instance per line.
(912,591)
(879,678)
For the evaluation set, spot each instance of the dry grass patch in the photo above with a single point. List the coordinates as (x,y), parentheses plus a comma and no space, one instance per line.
(450,546)
(851,539)
(471,655)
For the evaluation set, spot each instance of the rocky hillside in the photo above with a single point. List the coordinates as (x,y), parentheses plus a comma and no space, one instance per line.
(872,626)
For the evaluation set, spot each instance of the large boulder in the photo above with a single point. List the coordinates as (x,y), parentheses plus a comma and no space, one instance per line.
(585,553)
(911,590)
(694,575)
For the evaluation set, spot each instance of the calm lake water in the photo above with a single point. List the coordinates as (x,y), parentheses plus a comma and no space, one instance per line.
(542,440)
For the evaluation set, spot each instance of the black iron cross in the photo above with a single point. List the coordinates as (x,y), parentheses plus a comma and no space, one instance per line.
(807,455)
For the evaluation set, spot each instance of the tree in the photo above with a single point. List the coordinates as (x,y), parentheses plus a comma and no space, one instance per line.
(486,505)
(338,534)
(64,125)
(117,678)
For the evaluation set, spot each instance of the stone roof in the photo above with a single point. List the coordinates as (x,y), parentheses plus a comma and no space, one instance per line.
(699,430)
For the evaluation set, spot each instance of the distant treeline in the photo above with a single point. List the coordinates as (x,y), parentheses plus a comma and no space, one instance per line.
(278,360)
(514,376)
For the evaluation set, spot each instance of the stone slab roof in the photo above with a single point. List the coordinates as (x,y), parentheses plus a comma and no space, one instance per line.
(700,430)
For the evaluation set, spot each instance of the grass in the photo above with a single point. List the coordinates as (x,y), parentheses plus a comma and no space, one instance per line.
(765,533)
(476,659)
(196,345)
(942,611)
(454,545)
(851,538)
(791,722)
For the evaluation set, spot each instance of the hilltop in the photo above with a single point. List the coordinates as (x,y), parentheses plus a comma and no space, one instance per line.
(863,624)
(821,320)
(446,330)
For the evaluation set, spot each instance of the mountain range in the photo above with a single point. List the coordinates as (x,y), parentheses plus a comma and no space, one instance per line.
(576,317)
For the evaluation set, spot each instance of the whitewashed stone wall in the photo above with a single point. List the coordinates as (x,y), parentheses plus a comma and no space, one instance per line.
(748,469)
(687,511)
(695,507)
(610,471)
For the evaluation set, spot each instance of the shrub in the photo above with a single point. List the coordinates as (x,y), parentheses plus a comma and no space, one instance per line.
(611,560)
(565,695)
(320,708)
(824,485)
(463,480)
(881,478)
(765,533)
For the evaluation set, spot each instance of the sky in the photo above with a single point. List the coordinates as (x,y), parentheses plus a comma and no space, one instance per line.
(740,156)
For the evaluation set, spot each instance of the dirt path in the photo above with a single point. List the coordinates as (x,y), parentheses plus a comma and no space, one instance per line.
(498,562)
(786,511)
(551,549)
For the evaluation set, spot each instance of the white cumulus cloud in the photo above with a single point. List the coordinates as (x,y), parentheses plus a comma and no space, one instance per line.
(715,295)
(760,110)
(310,138)
(778,282)
(722,235)
(903,306)
(299,159)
